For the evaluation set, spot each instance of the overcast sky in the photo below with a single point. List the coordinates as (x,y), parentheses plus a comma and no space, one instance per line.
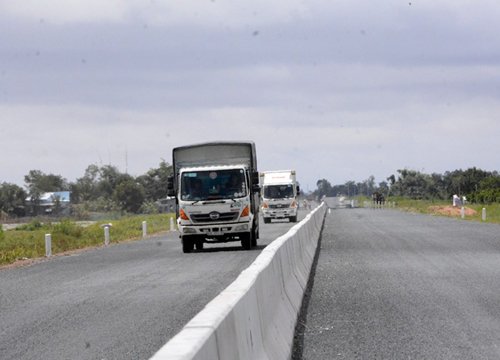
(334,89)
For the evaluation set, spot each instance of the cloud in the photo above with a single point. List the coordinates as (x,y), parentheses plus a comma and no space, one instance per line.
(337,90)
(66,139)
(67,11)
(160,13)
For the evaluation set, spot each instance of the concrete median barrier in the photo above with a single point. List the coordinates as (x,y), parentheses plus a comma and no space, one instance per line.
(255,316)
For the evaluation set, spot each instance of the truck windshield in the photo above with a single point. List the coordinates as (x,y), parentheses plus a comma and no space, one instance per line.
(278,191)
(213,185)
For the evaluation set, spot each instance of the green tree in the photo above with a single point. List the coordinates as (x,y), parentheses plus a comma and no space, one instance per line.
(12,199)
(155,181)
(110,177)
(464,182)
(383,188)
(129,195)
(489,190)
(38,183)
(85,188)
(324,188)
(97,188)
(412,184)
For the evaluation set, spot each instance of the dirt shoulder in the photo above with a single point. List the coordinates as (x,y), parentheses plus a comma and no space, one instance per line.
(451,211)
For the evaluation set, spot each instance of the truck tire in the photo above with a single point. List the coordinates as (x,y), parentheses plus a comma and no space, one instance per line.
(254,235)
(293,219)
(246,241)
(267,220)
(187,244)
(199,244)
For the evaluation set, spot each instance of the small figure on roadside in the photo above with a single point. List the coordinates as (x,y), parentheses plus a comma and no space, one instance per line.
(457,201)
(378,199)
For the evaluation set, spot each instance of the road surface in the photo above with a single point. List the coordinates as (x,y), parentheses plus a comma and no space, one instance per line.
(121,302)
(394,285)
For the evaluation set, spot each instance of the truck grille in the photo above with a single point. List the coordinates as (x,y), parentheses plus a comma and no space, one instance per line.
(205,218)
(278,206)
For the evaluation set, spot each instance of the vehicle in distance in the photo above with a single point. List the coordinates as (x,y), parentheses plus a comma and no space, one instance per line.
(279,195)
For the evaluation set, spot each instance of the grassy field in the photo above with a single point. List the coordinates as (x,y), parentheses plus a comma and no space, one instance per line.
(28,241)
(474,211)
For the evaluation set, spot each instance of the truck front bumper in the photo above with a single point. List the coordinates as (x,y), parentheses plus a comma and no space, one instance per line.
(216,230)
(279,213)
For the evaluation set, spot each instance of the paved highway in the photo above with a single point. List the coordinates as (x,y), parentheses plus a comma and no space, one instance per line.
(121,302)
(392,285)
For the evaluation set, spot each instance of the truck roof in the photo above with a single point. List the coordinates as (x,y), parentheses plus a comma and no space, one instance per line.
(215,153)
(215,166)
(278,177)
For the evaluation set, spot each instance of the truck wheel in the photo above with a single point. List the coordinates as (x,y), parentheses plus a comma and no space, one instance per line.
(267,220)
(246,241)
(254,237)
(187,244)
(199,244)
(293,219)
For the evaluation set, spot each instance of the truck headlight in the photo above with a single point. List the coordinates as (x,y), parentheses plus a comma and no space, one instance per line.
(241,227)
(188,230)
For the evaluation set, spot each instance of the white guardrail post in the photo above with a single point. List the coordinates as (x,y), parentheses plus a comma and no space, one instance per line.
(144,229)
(172,227)
(106,233)
(48,245)
(483,215)
(462,212)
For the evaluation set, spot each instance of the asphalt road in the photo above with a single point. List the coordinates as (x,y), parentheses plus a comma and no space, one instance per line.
(120,302)
(393,285)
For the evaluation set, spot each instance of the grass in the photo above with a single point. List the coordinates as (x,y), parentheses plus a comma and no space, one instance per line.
(28,241)
(423,207)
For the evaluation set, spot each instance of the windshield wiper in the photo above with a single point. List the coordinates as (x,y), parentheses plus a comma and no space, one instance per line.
(214,202)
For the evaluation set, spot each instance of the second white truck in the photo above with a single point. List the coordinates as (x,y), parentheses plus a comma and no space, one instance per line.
(279,191)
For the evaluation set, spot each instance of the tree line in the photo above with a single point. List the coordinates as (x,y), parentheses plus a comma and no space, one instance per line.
(105,188)
(101,189)
(479,186)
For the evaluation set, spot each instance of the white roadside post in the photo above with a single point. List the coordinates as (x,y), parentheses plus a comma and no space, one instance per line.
(462,212)
(484,214)
(48,245)
(106,233)
(172,224)
(144,229)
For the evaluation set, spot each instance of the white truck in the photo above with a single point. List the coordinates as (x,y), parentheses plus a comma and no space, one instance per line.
(279,195)
(216,186)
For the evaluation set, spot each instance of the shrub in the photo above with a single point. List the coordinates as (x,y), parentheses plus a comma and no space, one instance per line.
(149,207)
(31,226)
(69,228)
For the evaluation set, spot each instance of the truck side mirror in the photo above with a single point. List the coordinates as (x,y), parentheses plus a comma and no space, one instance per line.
(255,182)
(255,178)
(170,186)
(298,190)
